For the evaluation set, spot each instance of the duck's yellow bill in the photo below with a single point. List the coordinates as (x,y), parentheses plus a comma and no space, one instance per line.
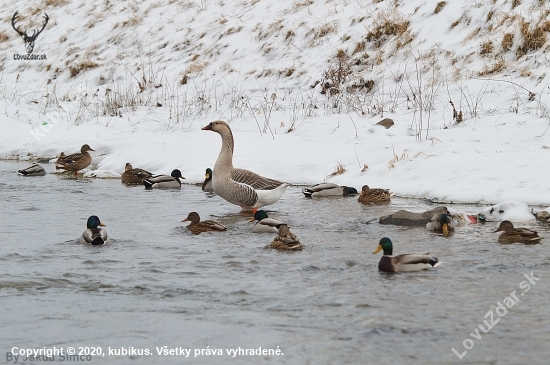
(101,224)
(378,249)
(252,219)
(445,229)
(206,176)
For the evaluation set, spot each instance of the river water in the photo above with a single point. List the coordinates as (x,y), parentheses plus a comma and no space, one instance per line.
(158,285)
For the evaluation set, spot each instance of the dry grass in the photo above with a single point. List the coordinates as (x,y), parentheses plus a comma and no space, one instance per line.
(439,6)
(322,30)
(339,169)
(515,3)
(507,42)
(81,66)
(486,48)
(55,2)
(387,24)
(497,67)
(490,15)
(298,4)
(533,37)
(3,37)
(289,34)
(359,47)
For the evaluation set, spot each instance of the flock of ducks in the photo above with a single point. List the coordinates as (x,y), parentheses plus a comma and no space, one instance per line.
(251,191)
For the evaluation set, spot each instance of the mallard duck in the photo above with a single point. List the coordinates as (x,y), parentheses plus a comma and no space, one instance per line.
(286,240)
(207,184)
(238,186)
(94,235)
(370,196)
(441,223)
(520,235)
(197,226)
(265,224)
(33,170)
(328,189)
(132,176)
(402,263)
(76,161)
(164,181)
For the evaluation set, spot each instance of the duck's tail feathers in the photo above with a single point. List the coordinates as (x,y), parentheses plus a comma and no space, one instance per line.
(435,262)
(97,239)
(307,192)
(148,184)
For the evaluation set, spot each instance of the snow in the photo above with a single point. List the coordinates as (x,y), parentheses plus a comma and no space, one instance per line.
(253,63)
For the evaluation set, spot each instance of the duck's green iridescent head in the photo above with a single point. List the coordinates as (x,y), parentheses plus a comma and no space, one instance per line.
(385,245)
(352,191)
(444,218)
(259,215)
(481,218)
(208,174)
(93,222)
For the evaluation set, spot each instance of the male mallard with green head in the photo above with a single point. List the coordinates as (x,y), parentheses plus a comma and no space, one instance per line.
(197,226)
(441,223)
(402,263)
(207,184)
(328,189)
(164,181)
(76,161)
(286,240)
(373,196)
(265,224)
(134,176)
(520,235)
(93,234)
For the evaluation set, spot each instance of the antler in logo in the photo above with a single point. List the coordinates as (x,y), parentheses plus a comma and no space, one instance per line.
(29,39)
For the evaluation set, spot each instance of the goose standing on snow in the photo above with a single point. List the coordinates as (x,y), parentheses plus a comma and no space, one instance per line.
(93,234)
(33,170)
(164,181)
(76,161)
(238,186)
(328,189)
(402,263)
(207,184)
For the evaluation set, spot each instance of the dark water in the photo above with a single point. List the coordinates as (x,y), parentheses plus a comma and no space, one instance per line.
(157,285)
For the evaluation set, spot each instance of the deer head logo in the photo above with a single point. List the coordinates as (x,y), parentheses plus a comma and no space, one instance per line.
(29,39)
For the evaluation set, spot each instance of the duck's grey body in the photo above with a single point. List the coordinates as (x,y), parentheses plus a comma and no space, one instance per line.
(164,181)
(95,237)
(328,189)
(33,170)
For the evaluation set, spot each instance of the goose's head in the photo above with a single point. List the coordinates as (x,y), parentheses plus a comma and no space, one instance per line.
(93,222)
(217,126)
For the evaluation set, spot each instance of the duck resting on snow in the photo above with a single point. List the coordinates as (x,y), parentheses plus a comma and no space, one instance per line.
(241,187)
(402,263)
(94,235)
(76,161)
(328,189)
(33,170)
(164,181)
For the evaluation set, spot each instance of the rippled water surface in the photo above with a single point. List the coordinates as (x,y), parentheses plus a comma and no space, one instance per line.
(157,285)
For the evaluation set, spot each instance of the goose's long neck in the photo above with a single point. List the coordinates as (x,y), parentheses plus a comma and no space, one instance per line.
(225,158)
